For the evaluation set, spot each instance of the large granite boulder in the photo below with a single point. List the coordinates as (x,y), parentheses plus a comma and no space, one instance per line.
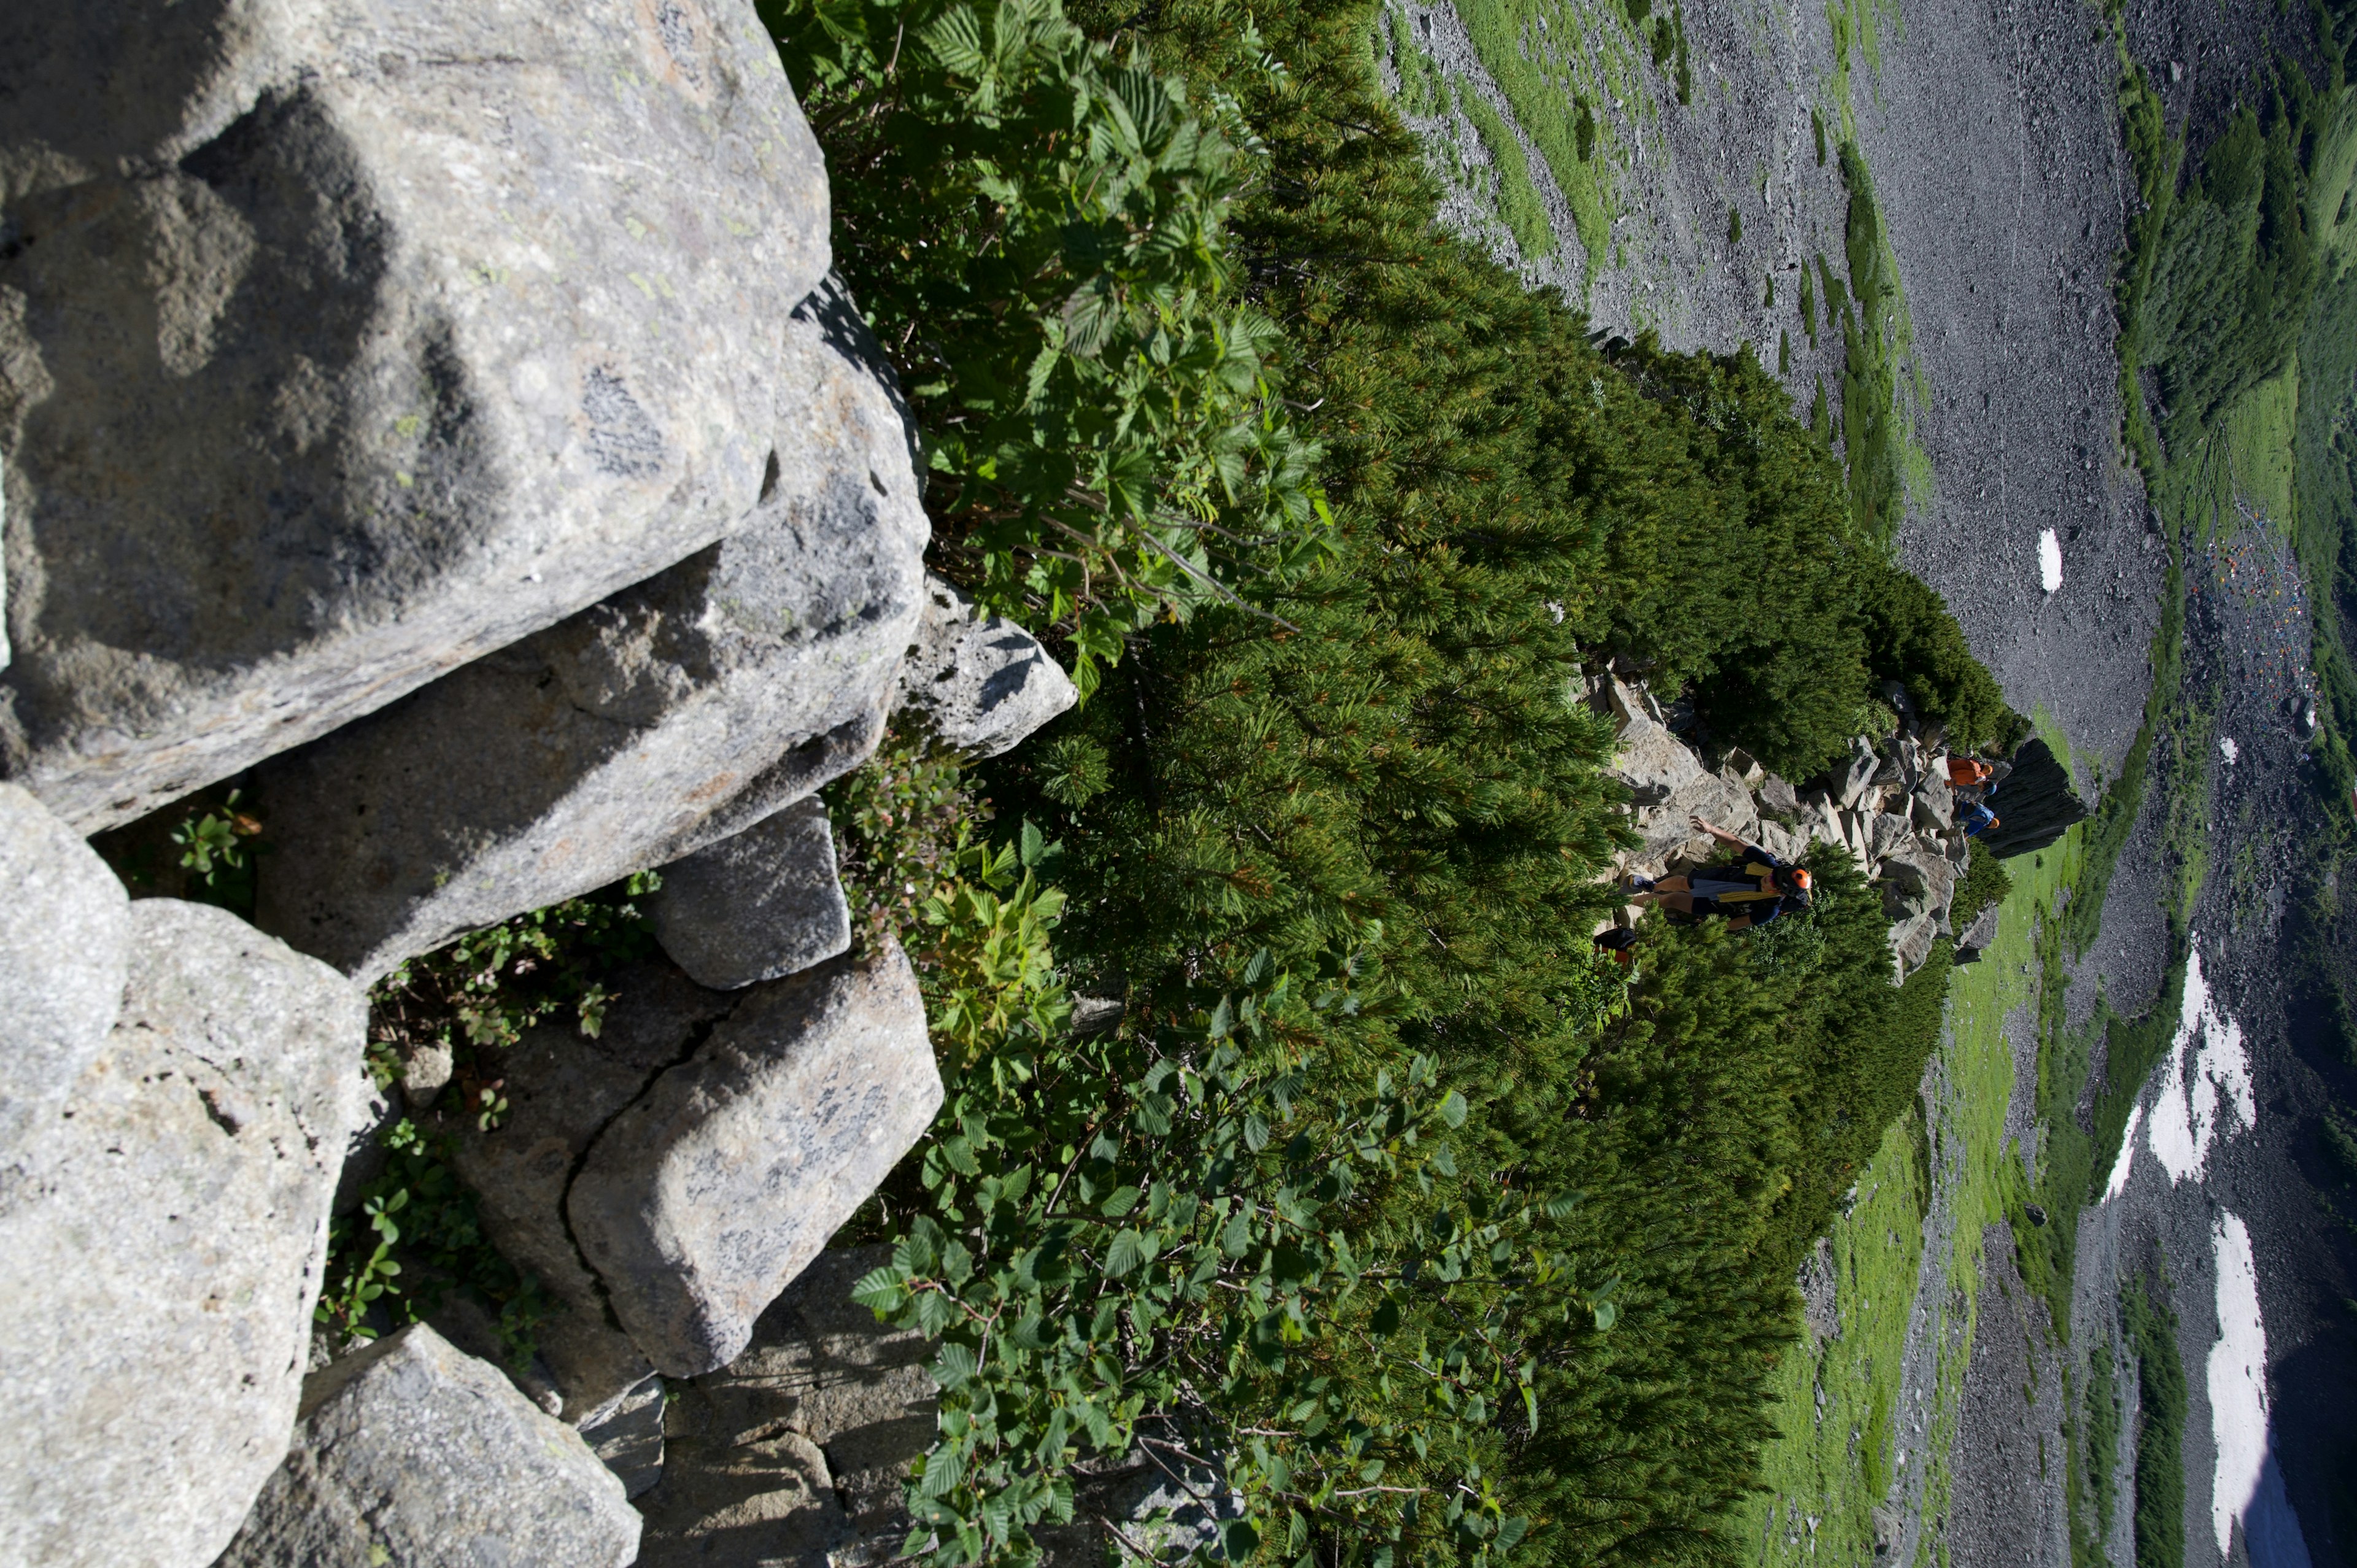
(984,683)
(675,714)
(347,341)
(410,1455)
(65,943)
(855,1395)
(763,903)
(562,1090)
(161,1245)
(702,1201)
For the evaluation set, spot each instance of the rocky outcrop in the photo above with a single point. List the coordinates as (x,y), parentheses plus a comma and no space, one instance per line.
(674,715)
(2035,805)
(982,682)
(345,345)
(410,1455)
(562,1090)
(160,1245)
(705,1198)
(1888,804)
(1667,783)
(65,943)
(808,1435)
(763,903)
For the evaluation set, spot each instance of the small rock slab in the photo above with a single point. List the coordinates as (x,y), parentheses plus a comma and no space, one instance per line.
(410,1455)
(700,1203)
(763,903)
(984,682)
(675,714)
(161,1246)
(630,1441)
(352,342)
(65,945)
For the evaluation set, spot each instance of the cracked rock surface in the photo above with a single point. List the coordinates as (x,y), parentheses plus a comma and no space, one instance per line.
(705,1198)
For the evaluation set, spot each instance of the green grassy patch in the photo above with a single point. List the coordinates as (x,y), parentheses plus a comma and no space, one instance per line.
(1519,206)
(1838,1461)
(1562,67)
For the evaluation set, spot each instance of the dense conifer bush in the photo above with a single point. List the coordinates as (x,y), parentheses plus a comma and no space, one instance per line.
(1437,1235)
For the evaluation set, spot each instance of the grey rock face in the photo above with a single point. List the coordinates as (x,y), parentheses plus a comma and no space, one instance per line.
(65,934)
(1978,935)
(562,1090)
(985,683)
(348,341)
(410,1455)
(1910,944)
(673,714)
(763,903)
(820,1368)
(160,1246)
(702,1201)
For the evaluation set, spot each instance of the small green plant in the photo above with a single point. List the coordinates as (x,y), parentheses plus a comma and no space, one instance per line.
(1984,883)
(898,822)
(417,1223)
(482,991)
(210,844)
(1037,228)
(1735,237)
(990,976)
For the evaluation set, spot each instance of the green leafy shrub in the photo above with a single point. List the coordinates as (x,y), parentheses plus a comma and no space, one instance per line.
(1034,228)
(1191,1238)
(480,992)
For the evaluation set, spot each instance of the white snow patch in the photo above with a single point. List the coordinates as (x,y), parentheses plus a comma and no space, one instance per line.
(2121,1167)
(2050,560)
(2248,1485)
(2228,749)
(2206,1079)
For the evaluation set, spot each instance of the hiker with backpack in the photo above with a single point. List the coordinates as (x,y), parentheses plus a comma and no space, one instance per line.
(1753,890)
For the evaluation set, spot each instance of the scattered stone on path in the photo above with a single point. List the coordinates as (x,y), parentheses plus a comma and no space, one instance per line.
(675,714)
(161,1243)
(410,1455)
(763,903)
(1910,944)
(65,938)
(335,364)
(821,1366)
(702,1201)
(984,683)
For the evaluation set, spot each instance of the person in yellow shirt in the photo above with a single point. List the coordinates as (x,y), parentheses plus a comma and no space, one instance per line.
(1755,889)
